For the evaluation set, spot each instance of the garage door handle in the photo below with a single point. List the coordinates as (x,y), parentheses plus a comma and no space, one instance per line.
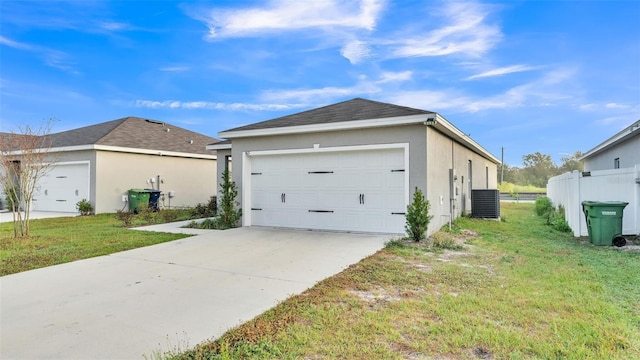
(283,197)
(321,211)
(398,213)
(361,199)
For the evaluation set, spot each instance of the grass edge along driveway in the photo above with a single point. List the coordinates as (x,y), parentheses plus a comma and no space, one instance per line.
(60,240)
(516,289)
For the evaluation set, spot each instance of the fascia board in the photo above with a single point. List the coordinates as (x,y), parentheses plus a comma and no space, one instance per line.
(614,140)
(219,147)
(345,125)
(126,150)
(448,128)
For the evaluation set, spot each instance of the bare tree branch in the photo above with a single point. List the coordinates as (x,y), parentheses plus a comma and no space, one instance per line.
(25,159)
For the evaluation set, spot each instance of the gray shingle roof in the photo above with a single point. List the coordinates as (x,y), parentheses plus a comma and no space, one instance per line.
(138,133)
(350,110)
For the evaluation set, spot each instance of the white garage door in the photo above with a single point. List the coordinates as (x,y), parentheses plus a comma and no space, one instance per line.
(62,188)
(347,191)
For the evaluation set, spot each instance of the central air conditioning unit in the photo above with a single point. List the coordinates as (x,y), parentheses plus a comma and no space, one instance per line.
(485,203)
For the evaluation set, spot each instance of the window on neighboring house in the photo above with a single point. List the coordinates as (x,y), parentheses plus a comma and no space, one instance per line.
(616,163)
(227,162)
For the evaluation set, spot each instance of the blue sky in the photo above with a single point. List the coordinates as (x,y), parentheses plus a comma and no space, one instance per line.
(547,76)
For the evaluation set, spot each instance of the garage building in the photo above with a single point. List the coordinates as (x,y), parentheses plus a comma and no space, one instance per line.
(352,166)
(101,162)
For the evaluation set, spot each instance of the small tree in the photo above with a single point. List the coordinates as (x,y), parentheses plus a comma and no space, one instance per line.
(229,215)
(24,162)
(417,218)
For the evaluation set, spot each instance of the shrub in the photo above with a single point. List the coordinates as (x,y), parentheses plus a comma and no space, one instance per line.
(209,224)
(417,218)
(229,215)
(556,219)
(396,244)
(206,210)
(444,240)
(84,207)
(168,215)
(125,216)
(561,224)
(148,214)
(543,206)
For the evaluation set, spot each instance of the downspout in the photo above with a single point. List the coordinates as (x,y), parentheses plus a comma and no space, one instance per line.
(452,188)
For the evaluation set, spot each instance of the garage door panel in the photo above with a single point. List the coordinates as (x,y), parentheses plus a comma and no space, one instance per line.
(347,191)
(62,187)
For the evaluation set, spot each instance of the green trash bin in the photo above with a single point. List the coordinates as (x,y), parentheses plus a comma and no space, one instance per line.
(138,199)
(604,222)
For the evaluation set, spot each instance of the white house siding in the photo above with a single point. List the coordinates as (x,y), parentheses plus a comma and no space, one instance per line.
(628,152)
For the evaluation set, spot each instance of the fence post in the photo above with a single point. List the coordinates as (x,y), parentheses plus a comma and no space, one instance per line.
(636,178)
(576,199)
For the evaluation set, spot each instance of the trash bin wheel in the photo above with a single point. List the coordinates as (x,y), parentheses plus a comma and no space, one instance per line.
(619,241)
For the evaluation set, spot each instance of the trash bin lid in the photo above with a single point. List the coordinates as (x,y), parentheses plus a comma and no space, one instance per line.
(605,203)
(138,190)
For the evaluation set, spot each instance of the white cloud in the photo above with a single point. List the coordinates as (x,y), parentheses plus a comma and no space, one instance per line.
(285,15)
(430,100)
(395,76)
(113,26)
(53,58)
(15,44)
(330,93)
(465,32)
(177,68)
(209,105)
(502,71)
(540,93)
(355,51)
(311,95)
(615,106)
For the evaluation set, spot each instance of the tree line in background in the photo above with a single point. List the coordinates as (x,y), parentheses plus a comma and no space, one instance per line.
(538,168)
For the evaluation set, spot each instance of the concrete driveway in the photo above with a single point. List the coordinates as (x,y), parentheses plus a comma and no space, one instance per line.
(7,216)
(130,304)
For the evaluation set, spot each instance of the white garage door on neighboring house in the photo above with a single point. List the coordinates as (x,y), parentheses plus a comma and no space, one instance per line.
(359,190)
(62,187)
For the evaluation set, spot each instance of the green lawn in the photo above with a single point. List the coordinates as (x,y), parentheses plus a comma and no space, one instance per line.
(516,290)
(60,240)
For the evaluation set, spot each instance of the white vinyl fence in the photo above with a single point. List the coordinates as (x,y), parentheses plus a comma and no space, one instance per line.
(571,189)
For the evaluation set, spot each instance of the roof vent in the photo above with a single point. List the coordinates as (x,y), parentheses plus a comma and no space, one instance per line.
(154,122)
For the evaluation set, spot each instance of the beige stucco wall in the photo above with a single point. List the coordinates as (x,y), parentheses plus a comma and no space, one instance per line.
(431,155)
(192,180)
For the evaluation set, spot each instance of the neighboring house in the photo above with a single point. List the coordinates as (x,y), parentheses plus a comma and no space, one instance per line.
(620,151)
(612,173)
(353,166)
(102,162)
